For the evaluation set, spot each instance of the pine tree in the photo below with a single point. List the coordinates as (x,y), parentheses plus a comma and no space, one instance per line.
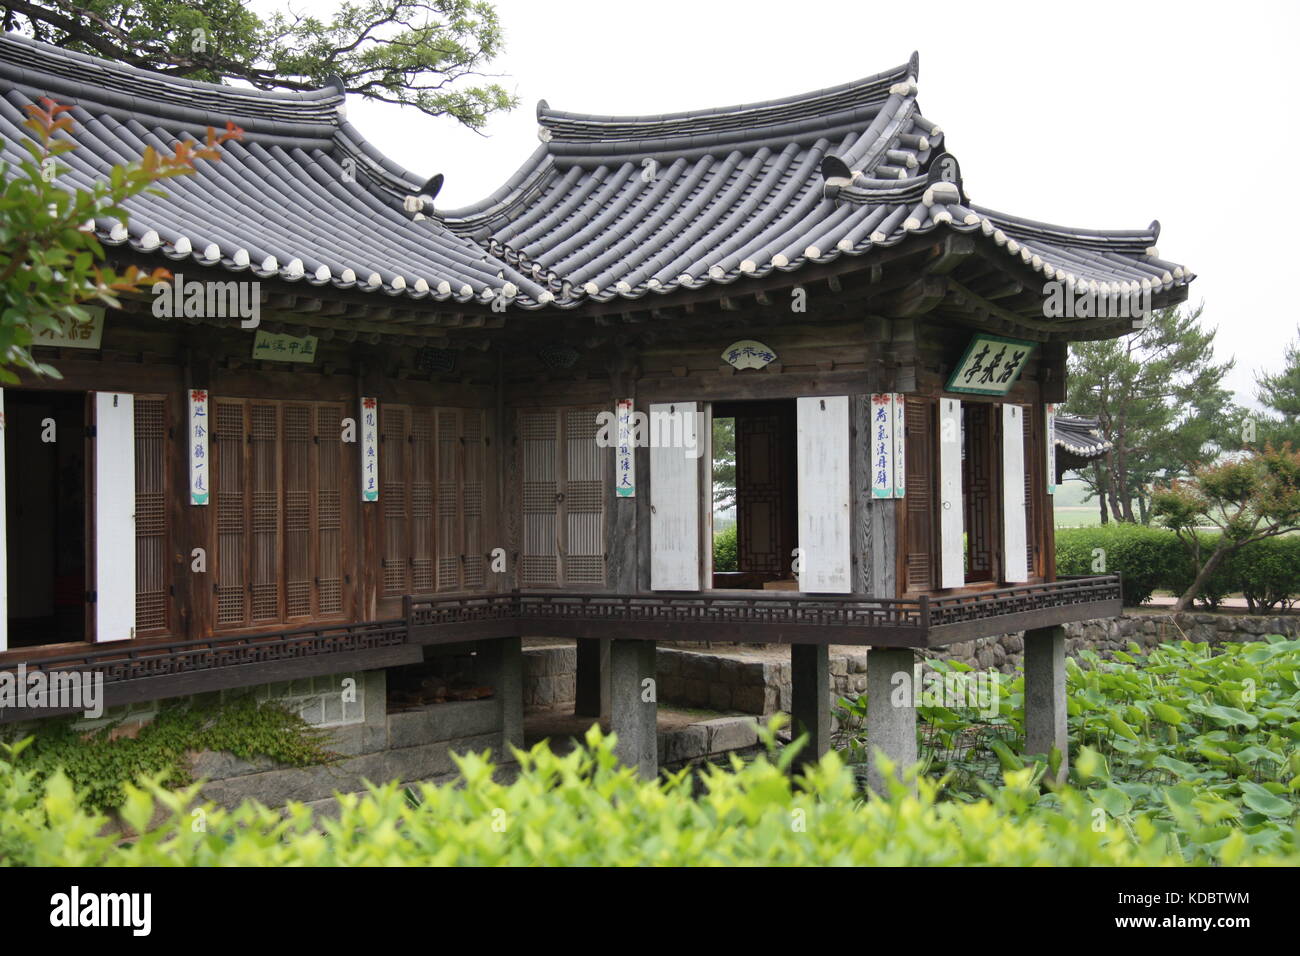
(1159,399)
(1280,396)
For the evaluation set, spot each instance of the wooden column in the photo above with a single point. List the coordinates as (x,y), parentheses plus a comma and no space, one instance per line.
(195,595)
(593,677)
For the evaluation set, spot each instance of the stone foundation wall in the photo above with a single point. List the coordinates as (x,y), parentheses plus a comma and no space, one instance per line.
(550,675)
(410,744)
(1006,653)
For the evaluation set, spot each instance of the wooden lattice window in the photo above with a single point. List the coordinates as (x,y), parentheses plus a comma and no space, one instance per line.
(394,462)
(1034,483)
(278,495)
(562,474)
(433,527)
(920,545)
(152,545)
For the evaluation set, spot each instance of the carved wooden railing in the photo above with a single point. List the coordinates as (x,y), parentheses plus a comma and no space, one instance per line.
(1063,592)
(749,616)
(132,661)
(760,616)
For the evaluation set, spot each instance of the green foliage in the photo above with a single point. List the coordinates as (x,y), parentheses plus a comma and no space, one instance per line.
(1280,395)
(1159,398)
(1248,499)
(1196,747)
(430,54)
(100,767)
(724,463)
(584,809)
(724,550)
(1148,558)
(1266,572)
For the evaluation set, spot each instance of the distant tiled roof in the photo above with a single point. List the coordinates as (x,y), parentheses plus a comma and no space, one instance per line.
(606,208)
(1080,436)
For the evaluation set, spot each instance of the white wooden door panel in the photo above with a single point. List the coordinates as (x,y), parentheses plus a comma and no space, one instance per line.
(952,546)
(1014,557)
(114,516)
(825,495)
(674,497)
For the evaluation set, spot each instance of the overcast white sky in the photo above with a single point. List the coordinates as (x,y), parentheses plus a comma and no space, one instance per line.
(1091,114)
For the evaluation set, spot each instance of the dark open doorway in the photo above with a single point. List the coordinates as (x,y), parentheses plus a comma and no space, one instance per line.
(757,462)
(45,513)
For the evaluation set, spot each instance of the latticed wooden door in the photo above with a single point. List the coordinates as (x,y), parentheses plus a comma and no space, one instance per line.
(562,476)
(920,527)
(278,494)
(1034,484)
(433,471)
(395,442)
(979,484)
(152,571)
(765,486)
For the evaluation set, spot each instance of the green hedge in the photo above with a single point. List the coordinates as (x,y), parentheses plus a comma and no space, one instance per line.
(1147,557)
(724,550)
(1266,572)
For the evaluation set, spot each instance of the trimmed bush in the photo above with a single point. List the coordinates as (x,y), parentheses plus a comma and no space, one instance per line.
(1149,558)
(1224,580)
(1268,572)
(724,550)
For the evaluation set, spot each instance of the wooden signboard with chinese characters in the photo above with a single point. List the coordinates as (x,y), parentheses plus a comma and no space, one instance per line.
(274,347)
(369,449)
(74,335)
(625,466)
(990,366)
(198,447)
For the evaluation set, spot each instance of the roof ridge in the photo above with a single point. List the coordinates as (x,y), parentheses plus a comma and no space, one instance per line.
(857,97)
(1097,238)
(47,69)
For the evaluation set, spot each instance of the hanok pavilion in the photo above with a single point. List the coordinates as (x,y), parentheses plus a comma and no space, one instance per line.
(401,459)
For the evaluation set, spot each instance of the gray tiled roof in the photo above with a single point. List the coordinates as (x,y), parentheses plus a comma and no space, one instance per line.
(607,207)
(1080,436)
(278,203)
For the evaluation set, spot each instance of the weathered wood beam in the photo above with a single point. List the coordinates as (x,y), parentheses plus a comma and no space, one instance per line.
(951,253)
(916,298)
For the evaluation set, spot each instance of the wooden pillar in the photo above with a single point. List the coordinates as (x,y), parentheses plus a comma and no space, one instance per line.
(1045,714)
(810,698)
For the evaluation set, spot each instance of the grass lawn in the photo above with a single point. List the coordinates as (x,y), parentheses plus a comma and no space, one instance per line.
(1077,516)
